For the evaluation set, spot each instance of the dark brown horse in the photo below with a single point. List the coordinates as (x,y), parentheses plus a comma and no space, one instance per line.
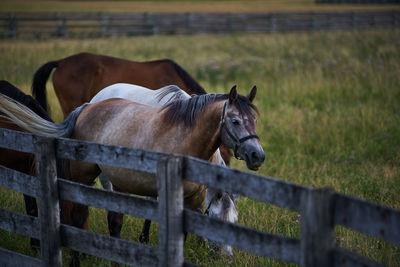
(20,161)
(79,77)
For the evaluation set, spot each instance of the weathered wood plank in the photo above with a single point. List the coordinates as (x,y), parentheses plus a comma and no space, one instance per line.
(16,140)
(19,223)
(103,199)
(317,228)
(263,244)
(345,258)
(189,264)
(49,208)
(266,189)
(367,217)
(13,259)
(18,181)
(136,159)
(170,195)
(107,247)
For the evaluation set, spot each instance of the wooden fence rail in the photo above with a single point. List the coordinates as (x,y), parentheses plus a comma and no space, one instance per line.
(368,2)
(320,209)
(49,25)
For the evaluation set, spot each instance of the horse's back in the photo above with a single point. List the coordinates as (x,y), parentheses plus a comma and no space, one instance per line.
(99,71)
(127,91)
(141,94)
(109,120)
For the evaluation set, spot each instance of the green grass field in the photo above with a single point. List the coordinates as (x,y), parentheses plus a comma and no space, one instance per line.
(329,116)
(178,6)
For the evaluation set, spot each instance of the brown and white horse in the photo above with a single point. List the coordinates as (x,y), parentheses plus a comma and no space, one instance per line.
(219,204)
(195,127)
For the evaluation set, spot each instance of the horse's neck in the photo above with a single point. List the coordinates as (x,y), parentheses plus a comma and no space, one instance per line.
(206,133)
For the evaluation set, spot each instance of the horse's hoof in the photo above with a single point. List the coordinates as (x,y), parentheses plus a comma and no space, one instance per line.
(75,262)
(35,243)
(143,239)
(201,240)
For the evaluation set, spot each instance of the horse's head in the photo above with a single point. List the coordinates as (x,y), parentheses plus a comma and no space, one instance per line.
(238,128)
(223,206)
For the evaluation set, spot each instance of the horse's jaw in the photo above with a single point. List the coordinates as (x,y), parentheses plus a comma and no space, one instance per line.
(250,165)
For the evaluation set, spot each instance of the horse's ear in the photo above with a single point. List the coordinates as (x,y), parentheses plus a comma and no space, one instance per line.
(232,95)
(252,93)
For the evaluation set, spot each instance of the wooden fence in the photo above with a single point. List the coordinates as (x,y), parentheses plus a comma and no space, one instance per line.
(78,25)
(368,2)
(320,209)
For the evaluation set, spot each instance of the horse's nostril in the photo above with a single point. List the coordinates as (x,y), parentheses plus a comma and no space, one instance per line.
(254,156)
(257,157)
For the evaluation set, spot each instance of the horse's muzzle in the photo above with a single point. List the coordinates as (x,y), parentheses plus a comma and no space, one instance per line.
(254,159)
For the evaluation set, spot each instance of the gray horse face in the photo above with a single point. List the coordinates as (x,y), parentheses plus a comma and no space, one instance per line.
(221,205)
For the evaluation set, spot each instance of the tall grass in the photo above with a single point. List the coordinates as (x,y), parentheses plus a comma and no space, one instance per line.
(329,116)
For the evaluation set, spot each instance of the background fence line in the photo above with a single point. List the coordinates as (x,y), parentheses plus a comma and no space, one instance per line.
(78,25)
(320,209)
(368,2)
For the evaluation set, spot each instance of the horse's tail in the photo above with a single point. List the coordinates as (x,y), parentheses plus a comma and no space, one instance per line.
(39,82)
(31,122)
(188,80)
(13,92)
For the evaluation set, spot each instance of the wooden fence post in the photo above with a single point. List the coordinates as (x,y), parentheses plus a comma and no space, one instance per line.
(229,19)
(49,209)
(317,228)
(103,24)
(13,26)
(395,18)
(170,228)
(272,22)
(313,22)
(189,24)
(61,27)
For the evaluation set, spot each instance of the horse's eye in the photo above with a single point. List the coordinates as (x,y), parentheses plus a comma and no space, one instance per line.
(235,121)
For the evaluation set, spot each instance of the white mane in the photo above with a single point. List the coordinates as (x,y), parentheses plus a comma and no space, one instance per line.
(141,94)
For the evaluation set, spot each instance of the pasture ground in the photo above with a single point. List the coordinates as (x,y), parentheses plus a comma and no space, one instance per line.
(329,116)
(179,6)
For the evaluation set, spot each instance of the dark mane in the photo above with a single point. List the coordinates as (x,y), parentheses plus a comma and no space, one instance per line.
(13,92)
(195,88)
(186,111)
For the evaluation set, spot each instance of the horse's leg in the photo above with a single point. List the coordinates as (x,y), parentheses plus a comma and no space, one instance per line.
(105,182)
(115,221)
(195,202)
(144,235)
(79,218)
(32,210)
(77,214)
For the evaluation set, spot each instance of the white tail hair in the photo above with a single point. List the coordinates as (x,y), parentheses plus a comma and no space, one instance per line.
(33,123)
